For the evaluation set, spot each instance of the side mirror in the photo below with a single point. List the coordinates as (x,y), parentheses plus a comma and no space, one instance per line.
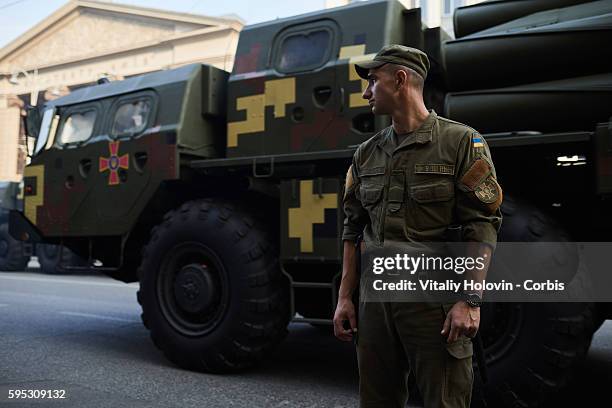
(32,121)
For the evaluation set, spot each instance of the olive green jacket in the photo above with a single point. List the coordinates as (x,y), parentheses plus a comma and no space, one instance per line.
(440,175)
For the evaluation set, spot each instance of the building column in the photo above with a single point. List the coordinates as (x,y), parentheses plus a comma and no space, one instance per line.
(11,165)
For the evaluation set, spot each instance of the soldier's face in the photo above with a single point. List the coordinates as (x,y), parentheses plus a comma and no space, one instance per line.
(379,92)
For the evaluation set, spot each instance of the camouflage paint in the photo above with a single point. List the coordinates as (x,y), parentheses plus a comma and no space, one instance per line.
(311,219)
(307,125)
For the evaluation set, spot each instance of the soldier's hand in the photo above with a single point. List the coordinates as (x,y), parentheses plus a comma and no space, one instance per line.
(345,311)
(461,319)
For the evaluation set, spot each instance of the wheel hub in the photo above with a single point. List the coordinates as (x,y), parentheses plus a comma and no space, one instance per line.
(194,288)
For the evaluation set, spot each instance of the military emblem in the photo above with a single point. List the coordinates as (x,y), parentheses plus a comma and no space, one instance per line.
(487,191)
(113,163)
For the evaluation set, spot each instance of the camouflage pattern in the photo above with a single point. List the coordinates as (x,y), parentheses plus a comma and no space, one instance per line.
(262,122)
(311,219)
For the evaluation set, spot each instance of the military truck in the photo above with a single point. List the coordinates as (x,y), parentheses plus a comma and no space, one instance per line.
(12,254)
(221,192)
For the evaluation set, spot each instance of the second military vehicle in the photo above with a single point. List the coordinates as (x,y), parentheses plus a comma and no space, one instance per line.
(15,255)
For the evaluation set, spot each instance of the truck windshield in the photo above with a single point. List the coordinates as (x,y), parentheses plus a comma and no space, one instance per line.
(45,127)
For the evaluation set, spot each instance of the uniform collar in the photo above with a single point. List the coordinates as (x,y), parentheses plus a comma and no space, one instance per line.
(421,135)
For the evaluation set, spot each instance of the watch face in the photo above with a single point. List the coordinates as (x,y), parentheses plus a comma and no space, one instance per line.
(473,300)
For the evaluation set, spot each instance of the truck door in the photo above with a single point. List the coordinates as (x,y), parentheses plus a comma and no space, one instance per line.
(53,188)
(121,163)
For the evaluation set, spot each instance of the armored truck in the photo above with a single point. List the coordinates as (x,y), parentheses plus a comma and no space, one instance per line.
(221,192)
(12,254)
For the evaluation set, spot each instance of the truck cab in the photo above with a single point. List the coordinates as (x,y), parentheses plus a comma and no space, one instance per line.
(103,152)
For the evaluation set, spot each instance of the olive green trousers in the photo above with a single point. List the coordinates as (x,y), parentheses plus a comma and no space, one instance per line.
(395,338)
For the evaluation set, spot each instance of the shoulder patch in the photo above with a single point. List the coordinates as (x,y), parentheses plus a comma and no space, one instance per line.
(489,193)
(431,168)
(477,141)
(477,172)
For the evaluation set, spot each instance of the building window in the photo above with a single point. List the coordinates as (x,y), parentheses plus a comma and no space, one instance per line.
(78,127)
(304,51)
(131,118)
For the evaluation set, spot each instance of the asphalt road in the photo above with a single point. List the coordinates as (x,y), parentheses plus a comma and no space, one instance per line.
(83,334)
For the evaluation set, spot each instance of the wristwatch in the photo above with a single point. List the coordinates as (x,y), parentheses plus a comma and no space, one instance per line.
(472,299)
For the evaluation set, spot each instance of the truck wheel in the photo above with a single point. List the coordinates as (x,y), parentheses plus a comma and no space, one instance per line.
(48,258)
(531,348)
(11,252)
(211,289)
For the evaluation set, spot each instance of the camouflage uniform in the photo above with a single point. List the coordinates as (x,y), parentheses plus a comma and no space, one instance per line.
(439,175)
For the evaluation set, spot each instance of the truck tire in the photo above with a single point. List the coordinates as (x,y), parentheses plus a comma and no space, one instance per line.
(11,252)
(48,258)
(211,288)
(531,348)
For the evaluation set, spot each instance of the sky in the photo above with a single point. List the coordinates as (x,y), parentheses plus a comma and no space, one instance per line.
(18,16)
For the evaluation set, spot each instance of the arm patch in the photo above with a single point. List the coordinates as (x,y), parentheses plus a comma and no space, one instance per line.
(476,174)
(489,192)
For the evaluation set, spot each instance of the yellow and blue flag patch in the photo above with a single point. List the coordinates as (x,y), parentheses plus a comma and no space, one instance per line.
(477,140)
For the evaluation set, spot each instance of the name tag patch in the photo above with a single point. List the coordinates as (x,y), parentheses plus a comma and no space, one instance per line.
(434,169)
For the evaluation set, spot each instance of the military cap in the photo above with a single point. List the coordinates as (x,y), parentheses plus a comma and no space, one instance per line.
(412,58)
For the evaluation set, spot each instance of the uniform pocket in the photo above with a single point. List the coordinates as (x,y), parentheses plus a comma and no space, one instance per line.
(462,347)
(370,194)
(371,173)
(459,375)
(430,205)
(371,185)
(433,192)
(458,370)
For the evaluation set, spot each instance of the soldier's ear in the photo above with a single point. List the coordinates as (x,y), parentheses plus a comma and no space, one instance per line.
(401,78)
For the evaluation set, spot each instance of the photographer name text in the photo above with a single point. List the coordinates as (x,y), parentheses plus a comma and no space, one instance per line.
(466,285)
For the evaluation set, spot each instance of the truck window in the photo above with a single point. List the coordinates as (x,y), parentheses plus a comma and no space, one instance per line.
(131,118)
(302,51)
(78,127)
(45,127)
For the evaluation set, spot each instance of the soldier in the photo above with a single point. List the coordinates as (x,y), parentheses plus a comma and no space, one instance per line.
(409,183)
